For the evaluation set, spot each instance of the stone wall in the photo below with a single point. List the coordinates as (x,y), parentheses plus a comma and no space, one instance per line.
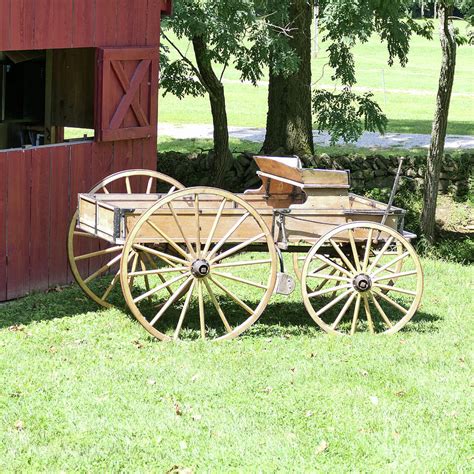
(367,172)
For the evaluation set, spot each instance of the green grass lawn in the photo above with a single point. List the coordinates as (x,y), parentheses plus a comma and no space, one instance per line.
(87,389)
(407,110)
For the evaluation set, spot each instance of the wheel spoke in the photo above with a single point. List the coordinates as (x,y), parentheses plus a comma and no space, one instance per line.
(232,296)
(172,190)
(323,283)
(217,306)
(149,185)
(329,276)
(240,280)
(198,234)
(161,255)
(103,269)
(395,288)
(159,271)
(175,217)
(391,263)
(368,247)
(159,288)
(333,264)
(354,249)
(202,320)
(127,185)
(322,267)
(184,311)
(244,263)
(117,248)
(343,257)
(214,227)
(226,236)
(380,310)
(329,290)
(169,240)
(237,248)
(355,317)
(176,295)
(393,276)
(131,279)
(380,254)
(106,191)
(392,302)
(368,314)
(333,302)
(114,280)
(145,276)
(343,310)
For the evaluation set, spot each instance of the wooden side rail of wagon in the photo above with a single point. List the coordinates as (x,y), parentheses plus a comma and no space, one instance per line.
(203,261)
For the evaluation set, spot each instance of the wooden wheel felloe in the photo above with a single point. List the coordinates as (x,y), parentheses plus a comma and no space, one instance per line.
(89,258)
(195,240)
(362,276)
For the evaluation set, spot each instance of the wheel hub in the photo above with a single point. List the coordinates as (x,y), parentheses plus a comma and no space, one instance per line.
(362,283)
(200,268)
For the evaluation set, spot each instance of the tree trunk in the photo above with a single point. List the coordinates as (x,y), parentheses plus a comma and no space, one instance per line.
(289,120)
(215,89)
(440,122)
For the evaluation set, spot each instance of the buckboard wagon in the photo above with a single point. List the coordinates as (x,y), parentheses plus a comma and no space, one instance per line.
(203,261)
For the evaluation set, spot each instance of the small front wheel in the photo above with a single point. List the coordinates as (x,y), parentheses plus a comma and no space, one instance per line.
(362,276)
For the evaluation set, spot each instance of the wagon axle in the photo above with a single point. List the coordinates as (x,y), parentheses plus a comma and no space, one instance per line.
(200,268)
(362,283)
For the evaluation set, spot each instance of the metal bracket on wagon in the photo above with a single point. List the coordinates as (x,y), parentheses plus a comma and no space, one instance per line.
(285,284)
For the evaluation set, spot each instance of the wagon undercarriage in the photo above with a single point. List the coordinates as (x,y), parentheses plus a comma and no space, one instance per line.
(203,261)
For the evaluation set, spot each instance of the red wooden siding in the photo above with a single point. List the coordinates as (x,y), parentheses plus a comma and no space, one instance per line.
(126,93)
(49,24)
(38,197)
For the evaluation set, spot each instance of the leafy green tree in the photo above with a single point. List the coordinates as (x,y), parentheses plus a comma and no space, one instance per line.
(220,32)
(450,38)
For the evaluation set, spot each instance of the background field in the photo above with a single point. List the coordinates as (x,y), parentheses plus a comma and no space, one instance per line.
(409,101)
(88,387)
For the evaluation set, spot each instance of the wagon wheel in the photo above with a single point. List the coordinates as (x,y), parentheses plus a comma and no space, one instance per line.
(89,258)
(376,284)
(200,235)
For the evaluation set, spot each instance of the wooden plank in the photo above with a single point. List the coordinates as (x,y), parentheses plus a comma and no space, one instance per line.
(52,23)
(84,24)
(21,35)
(41,231)
(3,224)
(5,27)
(80,171)
(59,208)
(153,20)
(150,154)
(106,23)
(18,223)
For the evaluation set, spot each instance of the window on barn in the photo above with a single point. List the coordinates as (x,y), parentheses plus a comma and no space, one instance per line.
(46,96)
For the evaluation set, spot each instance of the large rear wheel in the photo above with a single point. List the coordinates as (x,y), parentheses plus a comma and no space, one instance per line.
(90,258)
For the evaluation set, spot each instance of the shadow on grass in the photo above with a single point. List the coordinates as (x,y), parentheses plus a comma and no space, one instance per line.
(280,318)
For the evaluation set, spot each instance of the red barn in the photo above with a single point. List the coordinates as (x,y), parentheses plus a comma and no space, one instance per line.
(89,64)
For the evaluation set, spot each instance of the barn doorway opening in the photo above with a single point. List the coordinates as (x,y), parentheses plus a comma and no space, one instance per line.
(42,92)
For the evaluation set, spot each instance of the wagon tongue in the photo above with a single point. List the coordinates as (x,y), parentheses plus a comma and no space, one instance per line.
(200,268)
(362,282)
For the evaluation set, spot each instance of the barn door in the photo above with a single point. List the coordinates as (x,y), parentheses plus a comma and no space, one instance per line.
(127,93)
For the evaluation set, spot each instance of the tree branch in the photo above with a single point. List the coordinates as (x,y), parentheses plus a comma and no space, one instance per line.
(187,61)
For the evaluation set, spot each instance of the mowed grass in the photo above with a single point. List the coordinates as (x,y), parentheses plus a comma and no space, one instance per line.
(87,389)
(408,101)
